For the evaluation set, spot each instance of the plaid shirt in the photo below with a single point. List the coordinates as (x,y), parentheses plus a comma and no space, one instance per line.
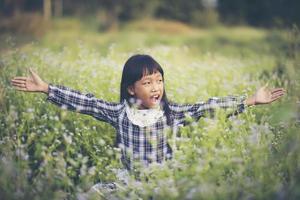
(139,145)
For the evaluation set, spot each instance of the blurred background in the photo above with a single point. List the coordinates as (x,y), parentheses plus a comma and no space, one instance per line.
(206,47)
(30,16)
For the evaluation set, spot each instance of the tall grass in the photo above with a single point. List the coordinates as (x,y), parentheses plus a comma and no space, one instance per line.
(48,153)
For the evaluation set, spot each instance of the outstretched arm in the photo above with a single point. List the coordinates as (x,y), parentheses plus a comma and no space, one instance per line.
(237,103)
(33,83)
(69,99)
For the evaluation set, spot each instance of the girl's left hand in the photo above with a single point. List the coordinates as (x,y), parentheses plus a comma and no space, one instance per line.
(265,95)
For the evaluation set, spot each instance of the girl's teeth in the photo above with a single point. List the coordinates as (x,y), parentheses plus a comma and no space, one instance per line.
(154,99)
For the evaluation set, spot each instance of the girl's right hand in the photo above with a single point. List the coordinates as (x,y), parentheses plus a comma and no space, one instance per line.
(33,83)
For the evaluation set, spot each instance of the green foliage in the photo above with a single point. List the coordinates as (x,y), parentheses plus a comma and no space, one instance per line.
(48,153)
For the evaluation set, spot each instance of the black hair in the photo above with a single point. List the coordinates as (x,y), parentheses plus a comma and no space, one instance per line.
(134,69)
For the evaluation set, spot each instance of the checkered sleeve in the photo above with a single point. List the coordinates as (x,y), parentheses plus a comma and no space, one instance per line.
(200,109)
(74,100)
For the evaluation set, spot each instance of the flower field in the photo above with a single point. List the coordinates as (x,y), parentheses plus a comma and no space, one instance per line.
(50,153)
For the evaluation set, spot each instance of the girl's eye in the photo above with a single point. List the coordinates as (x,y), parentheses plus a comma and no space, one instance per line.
(146,83)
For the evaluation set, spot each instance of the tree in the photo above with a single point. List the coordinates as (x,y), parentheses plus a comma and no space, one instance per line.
(58,8)
(47,10)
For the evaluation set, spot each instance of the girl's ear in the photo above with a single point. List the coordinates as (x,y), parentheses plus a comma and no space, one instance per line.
(130,90)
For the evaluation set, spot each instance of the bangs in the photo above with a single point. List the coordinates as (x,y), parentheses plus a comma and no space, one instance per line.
(149,70)
(145,66)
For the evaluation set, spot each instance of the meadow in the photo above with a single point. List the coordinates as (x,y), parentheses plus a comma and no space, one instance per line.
(50,153)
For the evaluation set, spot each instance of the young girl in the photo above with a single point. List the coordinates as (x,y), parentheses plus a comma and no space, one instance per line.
(144,114)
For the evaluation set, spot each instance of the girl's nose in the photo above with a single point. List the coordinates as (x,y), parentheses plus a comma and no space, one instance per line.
(154,87)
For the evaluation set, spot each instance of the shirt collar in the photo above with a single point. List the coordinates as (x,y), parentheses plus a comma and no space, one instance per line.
(143,117)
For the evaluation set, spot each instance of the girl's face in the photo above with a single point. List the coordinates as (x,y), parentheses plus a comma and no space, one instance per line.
(148,90)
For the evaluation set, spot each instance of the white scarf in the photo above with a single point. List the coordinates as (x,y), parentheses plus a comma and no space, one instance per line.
(143,117)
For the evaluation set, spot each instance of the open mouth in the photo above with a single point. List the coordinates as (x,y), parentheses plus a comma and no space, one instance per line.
(155,98)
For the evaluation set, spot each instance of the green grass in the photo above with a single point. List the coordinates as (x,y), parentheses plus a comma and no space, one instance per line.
(48,153)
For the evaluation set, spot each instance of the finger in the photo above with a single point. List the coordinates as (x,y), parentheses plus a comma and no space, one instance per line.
(277,89)
(31,71)
(21,89)
(278,92)
(19,84)
(17,81)
(276,96)
(20,78)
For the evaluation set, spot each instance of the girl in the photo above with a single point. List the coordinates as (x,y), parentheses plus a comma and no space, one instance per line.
(144,114)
